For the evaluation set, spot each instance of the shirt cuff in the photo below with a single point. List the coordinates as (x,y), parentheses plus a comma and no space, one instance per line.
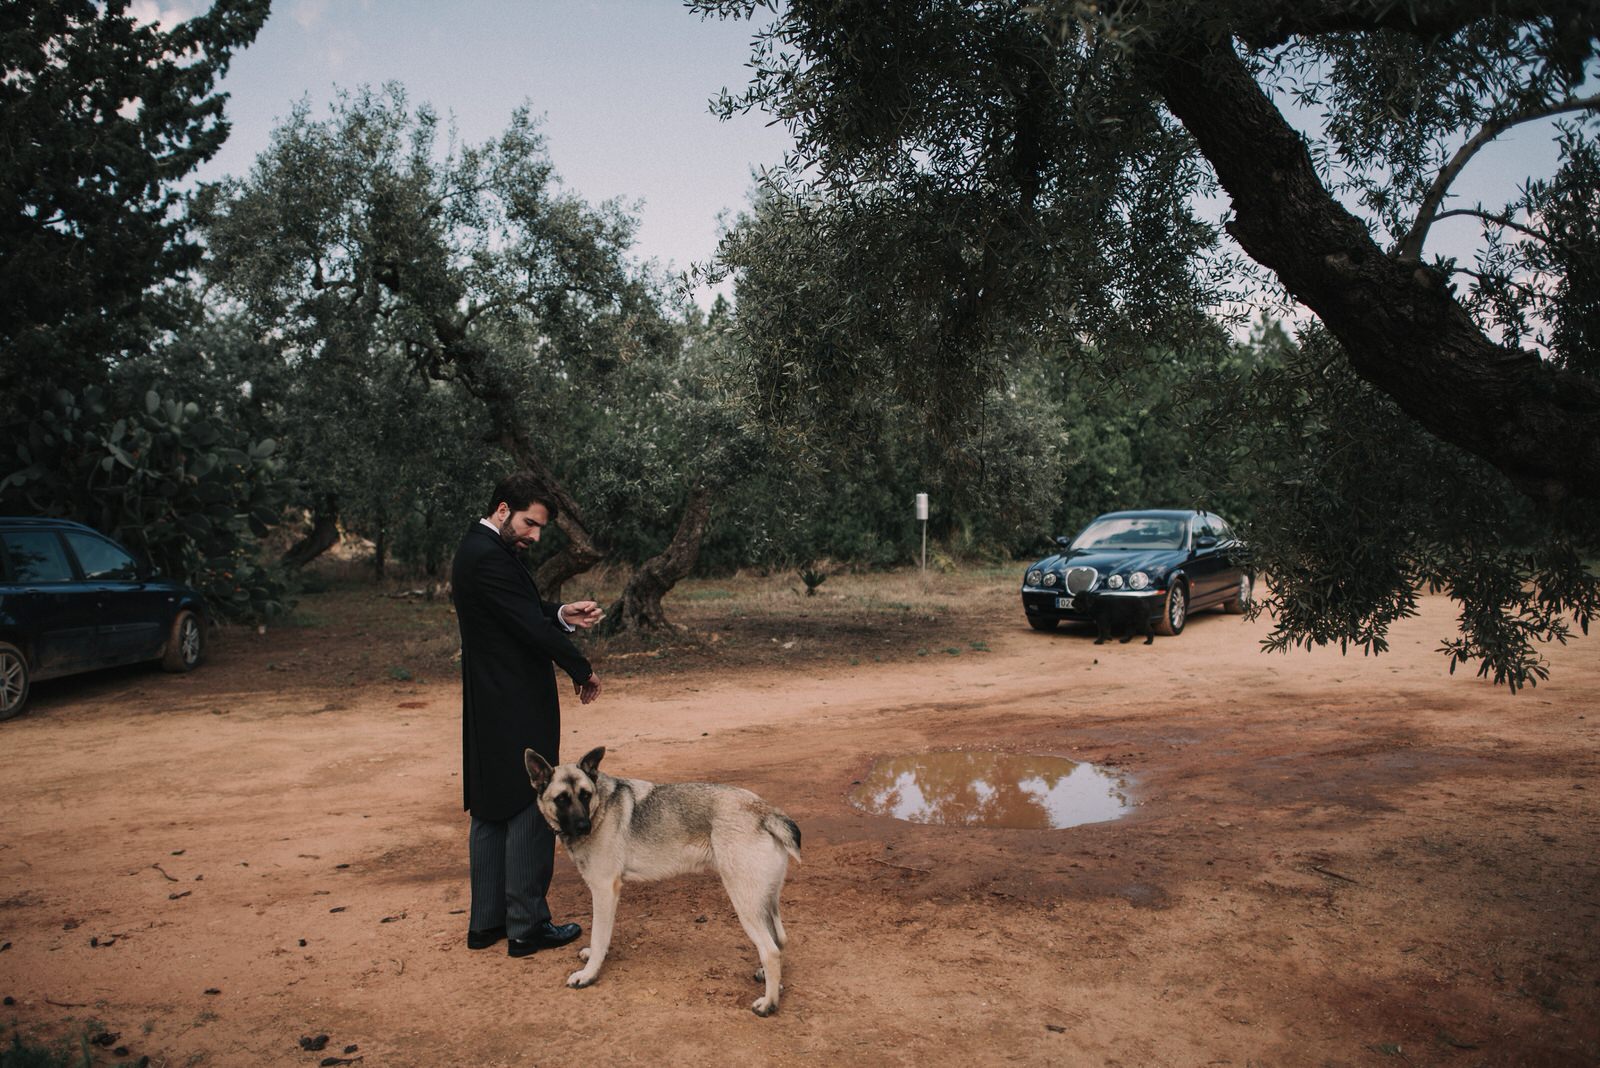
(568,627)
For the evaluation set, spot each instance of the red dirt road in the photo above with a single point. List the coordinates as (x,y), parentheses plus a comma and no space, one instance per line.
(1334,861)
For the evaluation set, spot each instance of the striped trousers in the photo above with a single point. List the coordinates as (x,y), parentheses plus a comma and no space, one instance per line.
(511,862)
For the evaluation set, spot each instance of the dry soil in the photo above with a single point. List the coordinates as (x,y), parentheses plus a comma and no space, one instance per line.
(1334,860)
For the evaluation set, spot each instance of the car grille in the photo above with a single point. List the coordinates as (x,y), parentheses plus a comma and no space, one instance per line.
(1081,579)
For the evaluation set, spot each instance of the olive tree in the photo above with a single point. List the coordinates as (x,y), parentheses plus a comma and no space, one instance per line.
(359,242)
(972,174)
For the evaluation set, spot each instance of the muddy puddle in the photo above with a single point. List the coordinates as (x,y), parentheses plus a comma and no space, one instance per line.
(980,789)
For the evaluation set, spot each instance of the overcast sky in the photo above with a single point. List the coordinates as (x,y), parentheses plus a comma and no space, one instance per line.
(623,86)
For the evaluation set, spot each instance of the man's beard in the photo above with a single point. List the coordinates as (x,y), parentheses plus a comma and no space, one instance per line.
(509,536)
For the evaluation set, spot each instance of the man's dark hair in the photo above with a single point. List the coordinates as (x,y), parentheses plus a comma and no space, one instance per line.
(521,489)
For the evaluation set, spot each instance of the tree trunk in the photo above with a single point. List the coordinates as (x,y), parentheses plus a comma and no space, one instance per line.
(324,535)
(432,555)
(640,605)
(1400,324)
(380,552)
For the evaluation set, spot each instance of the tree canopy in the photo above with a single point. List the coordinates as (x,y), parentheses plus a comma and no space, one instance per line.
(100,117)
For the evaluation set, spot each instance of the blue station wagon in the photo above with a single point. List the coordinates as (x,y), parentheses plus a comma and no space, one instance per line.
(1167,562)
(72,600)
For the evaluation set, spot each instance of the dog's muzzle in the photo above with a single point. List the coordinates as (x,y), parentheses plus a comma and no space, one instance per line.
(576,826)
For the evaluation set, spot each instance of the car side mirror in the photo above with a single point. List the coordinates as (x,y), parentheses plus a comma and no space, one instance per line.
(1063,541)
(1205,541)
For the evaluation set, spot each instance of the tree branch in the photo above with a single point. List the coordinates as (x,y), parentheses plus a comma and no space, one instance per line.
(1498,220)
(1410,248)
(1273,24)
(1491,279)
(1403,330)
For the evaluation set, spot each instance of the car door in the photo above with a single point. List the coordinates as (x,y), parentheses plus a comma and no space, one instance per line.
(128,615)
(49,603)
(1206,561)
(1231,550)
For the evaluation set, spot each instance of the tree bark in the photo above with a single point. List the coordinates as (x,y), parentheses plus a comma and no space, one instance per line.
(380,552)
(324,535)
(1400,324)
(639,608)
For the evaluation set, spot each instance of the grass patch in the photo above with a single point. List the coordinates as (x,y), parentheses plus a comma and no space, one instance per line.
(29,1053)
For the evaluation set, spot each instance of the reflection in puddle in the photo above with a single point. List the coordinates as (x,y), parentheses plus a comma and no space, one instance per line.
(974,789)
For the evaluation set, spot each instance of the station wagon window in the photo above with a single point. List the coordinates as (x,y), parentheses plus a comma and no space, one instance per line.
(100,559)
(37,556)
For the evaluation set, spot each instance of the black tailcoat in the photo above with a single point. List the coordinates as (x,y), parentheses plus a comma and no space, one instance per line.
(509,641)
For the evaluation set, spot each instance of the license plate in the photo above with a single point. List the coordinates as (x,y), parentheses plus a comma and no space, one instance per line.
(1063,602)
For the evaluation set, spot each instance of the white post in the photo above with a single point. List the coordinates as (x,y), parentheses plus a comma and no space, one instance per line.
(922,514)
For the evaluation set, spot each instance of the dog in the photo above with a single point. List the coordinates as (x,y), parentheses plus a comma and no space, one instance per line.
(620,830)
(1124,613)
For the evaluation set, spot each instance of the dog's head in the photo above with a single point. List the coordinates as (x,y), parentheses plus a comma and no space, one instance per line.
(568,796)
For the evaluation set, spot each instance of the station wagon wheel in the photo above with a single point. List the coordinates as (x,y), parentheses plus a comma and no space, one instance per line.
(1239,603)
(186,643)
(1174,610)
(13,680)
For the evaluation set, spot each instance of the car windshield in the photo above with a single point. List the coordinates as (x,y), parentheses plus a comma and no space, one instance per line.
(1131,532)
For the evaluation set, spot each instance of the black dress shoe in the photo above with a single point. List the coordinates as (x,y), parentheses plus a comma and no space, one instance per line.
(545,936)
(485,939)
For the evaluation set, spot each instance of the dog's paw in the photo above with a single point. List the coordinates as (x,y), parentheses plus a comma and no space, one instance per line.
(579,980)
(764,1006)
(583,954)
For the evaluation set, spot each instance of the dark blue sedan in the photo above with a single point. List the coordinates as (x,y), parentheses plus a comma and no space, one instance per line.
(1165,562)
(72,599)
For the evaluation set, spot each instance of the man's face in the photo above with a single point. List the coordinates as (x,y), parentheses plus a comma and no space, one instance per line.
(521,529)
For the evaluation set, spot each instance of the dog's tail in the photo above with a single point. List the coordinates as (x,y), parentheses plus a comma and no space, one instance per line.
(784,831)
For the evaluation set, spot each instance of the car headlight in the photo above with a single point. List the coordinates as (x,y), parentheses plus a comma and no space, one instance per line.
(1114,582)
(1138,580)
(1050,579)
(1034,577)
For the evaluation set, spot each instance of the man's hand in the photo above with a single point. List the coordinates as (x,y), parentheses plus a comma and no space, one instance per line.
(583,614)
(589,689)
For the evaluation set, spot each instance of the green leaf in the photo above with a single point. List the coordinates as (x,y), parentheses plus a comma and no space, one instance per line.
(152,401)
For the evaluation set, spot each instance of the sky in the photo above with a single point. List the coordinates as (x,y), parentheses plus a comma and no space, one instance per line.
(623,86)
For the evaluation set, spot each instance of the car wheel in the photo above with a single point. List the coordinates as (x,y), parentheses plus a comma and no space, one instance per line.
(1042,624)
(1239,603)
(13,680)
(186,643)
(1174,610)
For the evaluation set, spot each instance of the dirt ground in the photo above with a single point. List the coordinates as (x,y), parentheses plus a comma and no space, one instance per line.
(1334,860)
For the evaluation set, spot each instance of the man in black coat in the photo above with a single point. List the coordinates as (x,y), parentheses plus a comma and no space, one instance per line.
(511,642)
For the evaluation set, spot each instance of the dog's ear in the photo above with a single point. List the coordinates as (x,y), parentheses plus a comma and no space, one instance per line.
(539,770)
(590,764)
